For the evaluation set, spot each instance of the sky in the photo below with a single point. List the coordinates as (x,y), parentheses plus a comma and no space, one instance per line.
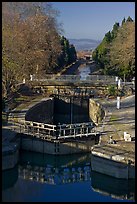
(91,20)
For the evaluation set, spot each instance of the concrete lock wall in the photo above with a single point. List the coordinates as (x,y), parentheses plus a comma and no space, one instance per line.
(43,146)
(96,111)
(41,112)
(112,168)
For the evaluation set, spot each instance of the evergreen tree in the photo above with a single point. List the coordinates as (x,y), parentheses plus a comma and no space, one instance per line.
(108,37)
(124,20)
(129,19)
(115,29)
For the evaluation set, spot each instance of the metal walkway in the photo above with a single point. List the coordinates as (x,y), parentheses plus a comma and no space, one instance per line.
(53,132)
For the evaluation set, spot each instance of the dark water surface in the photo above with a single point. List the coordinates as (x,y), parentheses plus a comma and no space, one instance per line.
(41,177)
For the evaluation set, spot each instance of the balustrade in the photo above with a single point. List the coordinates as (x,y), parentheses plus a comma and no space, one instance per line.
(53,131)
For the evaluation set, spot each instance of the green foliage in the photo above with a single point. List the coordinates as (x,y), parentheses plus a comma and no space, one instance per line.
(123,21)
(68,54)
(115,30)
(112,90)
(116,53)
(108,37)
(129,19)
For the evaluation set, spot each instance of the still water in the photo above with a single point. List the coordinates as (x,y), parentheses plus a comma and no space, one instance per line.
(68,178)
(83,71)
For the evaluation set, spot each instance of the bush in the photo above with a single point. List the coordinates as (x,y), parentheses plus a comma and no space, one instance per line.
(112,90)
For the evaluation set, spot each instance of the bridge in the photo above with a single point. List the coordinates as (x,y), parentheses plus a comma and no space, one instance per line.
(53,79)
(51,132)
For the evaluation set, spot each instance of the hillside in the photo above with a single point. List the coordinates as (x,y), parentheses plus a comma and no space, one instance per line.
(116,53)
(84,44)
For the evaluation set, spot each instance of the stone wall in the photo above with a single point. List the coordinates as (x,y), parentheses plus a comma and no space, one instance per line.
(96,111)
(41,112)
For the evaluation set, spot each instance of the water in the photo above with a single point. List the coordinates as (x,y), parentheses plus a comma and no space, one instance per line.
(83,70)
(48,178)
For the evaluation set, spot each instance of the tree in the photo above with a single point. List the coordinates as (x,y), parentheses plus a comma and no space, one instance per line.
(30,41)
(73,55)
(129,19)
(115,30)
(117,57)
(68,53)
(123,21)
(108,36)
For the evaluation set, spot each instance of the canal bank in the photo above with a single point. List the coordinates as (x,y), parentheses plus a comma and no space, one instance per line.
(71,69)
(115,153)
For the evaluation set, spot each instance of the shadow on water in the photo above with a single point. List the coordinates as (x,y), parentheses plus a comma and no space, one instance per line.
(9,177)
(43,160)
(116,188)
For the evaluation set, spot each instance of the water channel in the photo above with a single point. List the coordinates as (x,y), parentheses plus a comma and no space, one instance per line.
(68,178)
(83,71)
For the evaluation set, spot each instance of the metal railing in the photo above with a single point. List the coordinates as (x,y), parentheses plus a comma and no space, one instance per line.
(48,131)
(76,78)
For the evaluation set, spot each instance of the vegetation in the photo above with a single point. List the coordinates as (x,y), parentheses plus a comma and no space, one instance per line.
(116,53)
(112,90)
(31,43)
(68,53)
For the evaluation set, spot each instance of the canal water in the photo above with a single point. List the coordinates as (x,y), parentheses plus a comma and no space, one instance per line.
(67,178)
(83,71)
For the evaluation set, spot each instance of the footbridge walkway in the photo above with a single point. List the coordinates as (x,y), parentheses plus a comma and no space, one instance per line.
(52,132)
(52,79)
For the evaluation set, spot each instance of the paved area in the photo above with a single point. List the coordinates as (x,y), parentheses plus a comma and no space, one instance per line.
(118,121)
(8,134)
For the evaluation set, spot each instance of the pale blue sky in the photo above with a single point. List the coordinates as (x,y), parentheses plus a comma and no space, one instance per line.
(92,19)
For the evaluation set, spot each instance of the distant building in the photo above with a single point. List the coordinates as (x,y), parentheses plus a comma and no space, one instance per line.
(88,57)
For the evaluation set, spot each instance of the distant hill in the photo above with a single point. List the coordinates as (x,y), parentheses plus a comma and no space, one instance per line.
(84,44)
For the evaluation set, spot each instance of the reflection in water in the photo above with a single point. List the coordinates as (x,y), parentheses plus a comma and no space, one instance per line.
(9,177)
(38,174)
(116,188)
(54,169)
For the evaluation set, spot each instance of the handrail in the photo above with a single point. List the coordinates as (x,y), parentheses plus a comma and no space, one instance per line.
(53,131)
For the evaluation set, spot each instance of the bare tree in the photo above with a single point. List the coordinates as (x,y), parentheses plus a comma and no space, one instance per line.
(30,41)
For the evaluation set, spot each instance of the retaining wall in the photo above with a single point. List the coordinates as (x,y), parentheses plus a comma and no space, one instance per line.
(96,111)
(57,148)
(112,168)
